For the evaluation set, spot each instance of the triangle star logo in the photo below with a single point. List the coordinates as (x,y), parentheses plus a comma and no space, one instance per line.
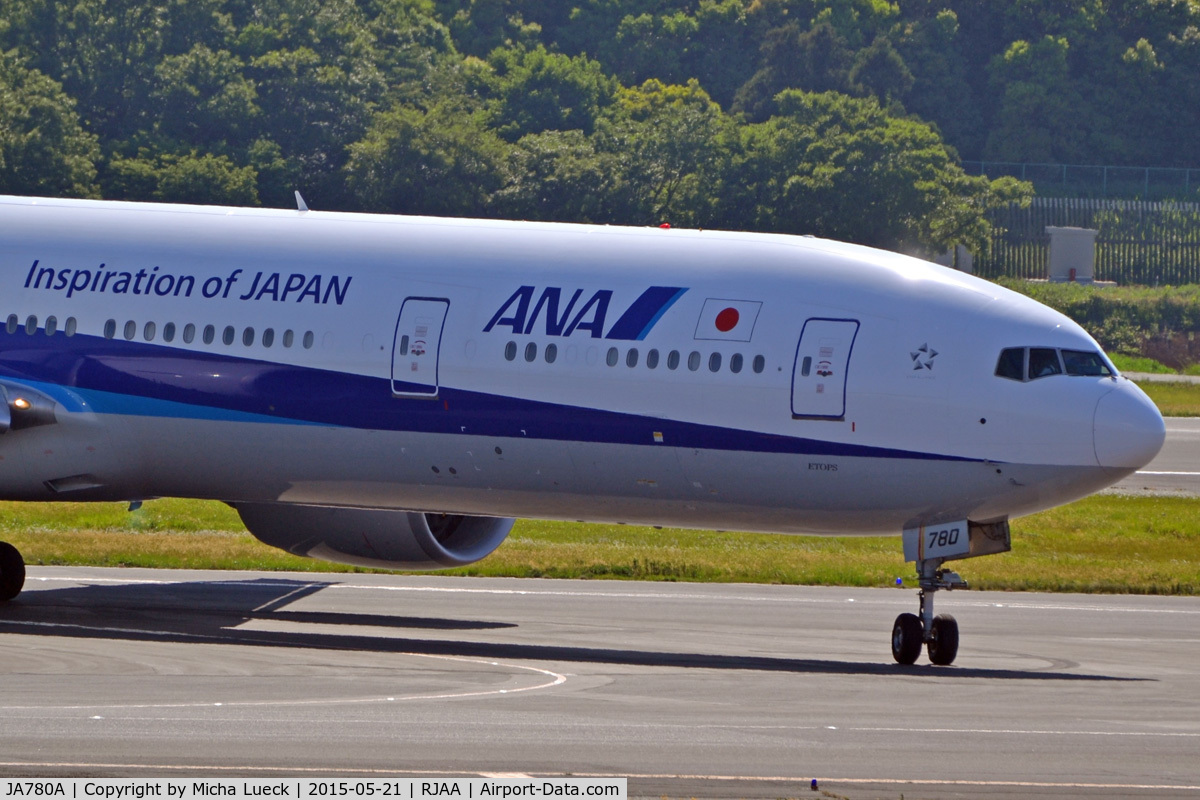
(923,357)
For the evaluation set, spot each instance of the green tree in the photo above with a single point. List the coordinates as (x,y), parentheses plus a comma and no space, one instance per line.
(104,53)
(43,148)
(441,163)
(536,91)
(942,90)
(846,169)
(856,21)
(666,142)
(481,26)
(880,70)
(559,176)
(816,60)
(199,178)
(313,107)
(407,43)
(204,98)
(1042,117)
(206,179)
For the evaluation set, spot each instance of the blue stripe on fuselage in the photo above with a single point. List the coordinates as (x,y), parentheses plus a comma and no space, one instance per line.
(135,378)
(648,309)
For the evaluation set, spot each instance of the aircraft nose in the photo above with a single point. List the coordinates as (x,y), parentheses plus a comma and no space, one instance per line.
(1127,431)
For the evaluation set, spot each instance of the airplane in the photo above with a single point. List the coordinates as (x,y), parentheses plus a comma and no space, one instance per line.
(393,391)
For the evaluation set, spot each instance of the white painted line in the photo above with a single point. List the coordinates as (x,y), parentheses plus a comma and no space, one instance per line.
(1148,472)
(281,601)
(1004,732)
(899,598)
(887,781)
(202,768)
(557,679)
(801,779)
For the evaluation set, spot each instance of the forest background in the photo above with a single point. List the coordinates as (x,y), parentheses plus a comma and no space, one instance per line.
(840,118)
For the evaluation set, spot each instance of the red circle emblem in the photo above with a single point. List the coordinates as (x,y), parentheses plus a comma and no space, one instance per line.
(727,320)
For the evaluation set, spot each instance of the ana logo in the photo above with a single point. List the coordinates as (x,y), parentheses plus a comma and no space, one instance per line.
(560,312)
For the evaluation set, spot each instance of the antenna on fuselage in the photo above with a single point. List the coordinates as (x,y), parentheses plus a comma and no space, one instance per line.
(300,204)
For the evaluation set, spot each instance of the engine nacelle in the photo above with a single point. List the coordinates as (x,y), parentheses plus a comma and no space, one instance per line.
(373,537)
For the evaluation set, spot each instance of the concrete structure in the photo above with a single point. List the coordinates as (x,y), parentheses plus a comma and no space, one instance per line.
(1072,254)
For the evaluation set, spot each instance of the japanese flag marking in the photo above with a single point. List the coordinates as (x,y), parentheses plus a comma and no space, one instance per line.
(729,320)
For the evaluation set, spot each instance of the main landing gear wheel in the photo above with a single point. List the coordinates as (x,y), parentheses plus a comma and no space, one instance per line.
(12,572)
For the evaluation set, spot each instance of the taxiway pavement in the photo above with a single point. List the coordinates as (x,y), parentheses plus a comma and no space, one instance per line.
(1176,469)
(689,690)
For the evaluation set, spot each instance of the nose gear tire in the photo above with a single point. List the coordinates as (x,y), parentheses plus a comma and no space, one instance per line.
(943,640)
(908,634)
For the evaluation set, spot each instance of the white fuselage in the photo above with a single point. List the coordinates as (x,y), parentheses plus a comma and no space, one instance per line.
(671,377)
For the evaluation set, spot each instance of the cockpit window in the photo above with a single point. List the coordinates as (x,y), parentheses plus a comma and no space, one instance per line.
(1031,363)
(1043,362)
(1085,362)
(1011,364)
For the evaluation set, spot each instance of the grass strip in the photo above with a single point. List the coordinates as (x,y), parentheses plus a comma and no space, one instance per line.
(1174,399)
(1105,543)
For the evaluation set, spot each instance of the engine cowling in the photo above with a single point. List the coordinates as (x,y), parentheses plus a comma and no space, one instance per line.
(377,538)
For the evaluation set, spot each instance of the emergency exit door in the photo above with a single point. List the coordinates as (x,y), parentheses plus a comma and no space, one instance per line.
(819,375)
(417,345)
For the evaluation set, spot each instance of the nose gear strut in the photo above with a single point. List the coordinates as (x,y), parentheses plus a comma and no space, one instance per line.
(930,547)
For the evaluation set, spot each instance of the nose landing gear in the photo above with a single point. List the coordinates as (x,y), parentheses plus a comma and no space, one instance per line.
(12,572)
(939,634)
(930,547)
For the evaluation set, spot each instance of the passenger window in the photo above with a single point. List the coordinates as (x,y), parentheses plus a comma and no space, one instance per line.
(228,335)
(309,339)
(1077,362)
(189,333)
(694,361)
(631,358)
(612,357)
(551,353)
(148,332)
(268,337)
(130,330)
(735,363)
(51,325)
(70,329)
(510,350)
(673,360)
(760,363)
(714,362)
(169,332)
(531,352)
(289,337)
(248,337)
(31,325)
(1043,362)
(651,359)
(14,322)
(210,333)
(1011,364)
(110,329)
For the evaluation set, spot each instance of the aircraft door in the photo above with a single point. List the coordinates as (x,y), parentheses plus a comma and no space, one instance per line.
(819,374)
(416,347)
